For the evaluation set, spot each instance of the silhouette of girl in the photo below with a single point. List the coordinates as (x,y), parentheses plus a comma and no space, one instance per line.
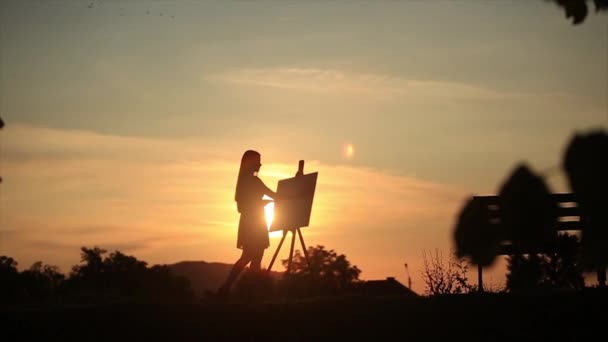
(252,234)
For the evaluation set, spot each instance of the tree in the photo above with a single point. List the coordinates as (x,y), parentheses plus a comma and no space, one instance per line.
(8,266)
(445,276)
(476,234)
(93,263)
(524,272)
(162,285)
(561,269)
(564,268)
(88,277)
(41,281)
(121,276)
(9,280)
(328,272)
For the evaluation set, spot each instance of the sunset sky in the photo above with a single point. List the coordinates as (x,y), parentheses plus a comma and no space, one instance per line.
(126,120)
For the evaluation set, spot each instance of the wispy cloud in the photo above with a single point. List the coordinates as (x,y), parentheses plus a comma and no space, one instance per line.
(338,81)
(25,142)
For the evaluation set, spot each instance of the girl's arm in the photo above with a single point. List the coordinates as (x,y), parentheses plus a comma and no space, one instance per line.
(266,191)
(275,196)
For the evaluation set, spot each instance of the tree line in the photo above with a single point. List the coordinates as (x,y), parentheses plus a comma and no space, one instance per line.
(103,277)
(100,277)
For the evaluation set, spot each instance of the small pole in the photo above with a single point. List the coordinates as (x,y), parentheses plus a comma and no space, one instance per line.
(480,278)
(409,279)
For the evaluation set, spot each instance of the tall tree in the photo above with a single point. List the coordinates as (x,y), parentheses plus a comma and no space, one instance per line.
(328,271)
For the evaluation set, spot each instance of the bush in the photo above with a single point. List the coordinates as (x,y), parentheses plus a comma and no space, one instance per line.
(445,276)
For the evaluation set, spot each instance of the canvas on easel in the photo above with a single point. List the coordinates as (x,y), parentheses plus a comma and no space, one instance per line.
(293,213)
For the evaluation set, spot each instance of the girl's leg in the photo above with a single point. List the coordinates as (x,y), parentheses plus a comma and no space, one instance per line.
(238,267)
(256,260)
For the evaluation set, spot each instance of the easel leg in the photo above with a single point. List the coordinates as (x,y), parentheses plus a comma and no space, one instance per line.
(293,241)
(277,251)
(304,248)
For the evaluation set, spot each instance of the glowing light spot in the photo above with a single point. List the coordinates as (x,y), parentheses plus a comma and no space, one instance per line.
(349,151)
(269,213)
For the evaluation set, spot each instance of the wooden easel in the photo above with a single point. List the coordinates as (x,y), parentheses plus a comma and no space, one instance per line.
(293,240)
(293,235)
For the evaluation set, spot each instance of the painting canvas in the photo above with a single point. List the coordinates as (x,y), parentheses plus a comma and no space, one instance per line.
(294,212)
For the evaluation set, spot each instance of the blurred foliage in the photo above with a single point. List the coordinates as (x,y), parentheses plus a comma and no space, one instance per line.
(586,165)
(577,10)
(476,235)
(526,219)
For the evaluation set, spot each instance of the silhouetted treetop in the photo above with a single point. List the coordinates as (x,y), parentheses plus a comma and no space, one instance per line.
(330,271)
(7,265)
(476,235)
(525,217)
(93,262)
(41,281)
(37,283)
(577,10)
(123,276)
(528,212)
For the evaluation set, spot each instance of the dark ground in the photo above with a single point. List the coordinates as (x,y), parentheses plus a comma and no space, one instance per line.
(490,317)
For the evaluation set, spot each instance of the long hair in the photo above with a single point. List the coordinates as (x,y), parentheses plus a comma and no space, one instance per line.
(249,163)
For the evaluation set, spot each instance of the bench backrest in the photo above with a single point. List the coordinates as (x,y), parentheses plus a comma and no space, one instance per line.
(568,216)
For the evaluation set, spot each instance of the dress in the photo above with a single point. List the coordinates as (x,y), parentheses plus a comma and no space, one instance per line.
(253,232)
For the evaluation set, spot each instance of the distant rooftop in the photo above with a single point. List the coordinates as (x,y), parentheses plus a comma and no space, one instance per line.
(385,286)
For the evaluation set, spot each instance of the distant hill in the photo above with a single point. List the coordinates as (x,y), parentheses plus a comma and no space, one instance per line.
(203,275)
(209,276)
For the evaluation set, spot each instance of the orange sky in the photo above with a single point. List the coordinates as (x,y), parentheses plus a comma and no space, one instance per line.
(178,205)
(125,121)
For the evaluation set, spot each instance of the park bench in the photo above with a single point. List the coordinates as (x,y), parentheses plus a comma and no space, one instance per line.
(568,219)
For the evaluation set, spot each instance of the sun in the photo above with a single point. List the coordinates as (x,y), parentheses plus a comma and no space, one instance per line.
(349,151)
(269,213)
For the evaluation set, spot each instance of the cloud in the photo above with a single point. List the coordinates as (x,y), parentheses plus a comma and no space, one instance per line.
(25,142)
(8,233)
(333,81)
